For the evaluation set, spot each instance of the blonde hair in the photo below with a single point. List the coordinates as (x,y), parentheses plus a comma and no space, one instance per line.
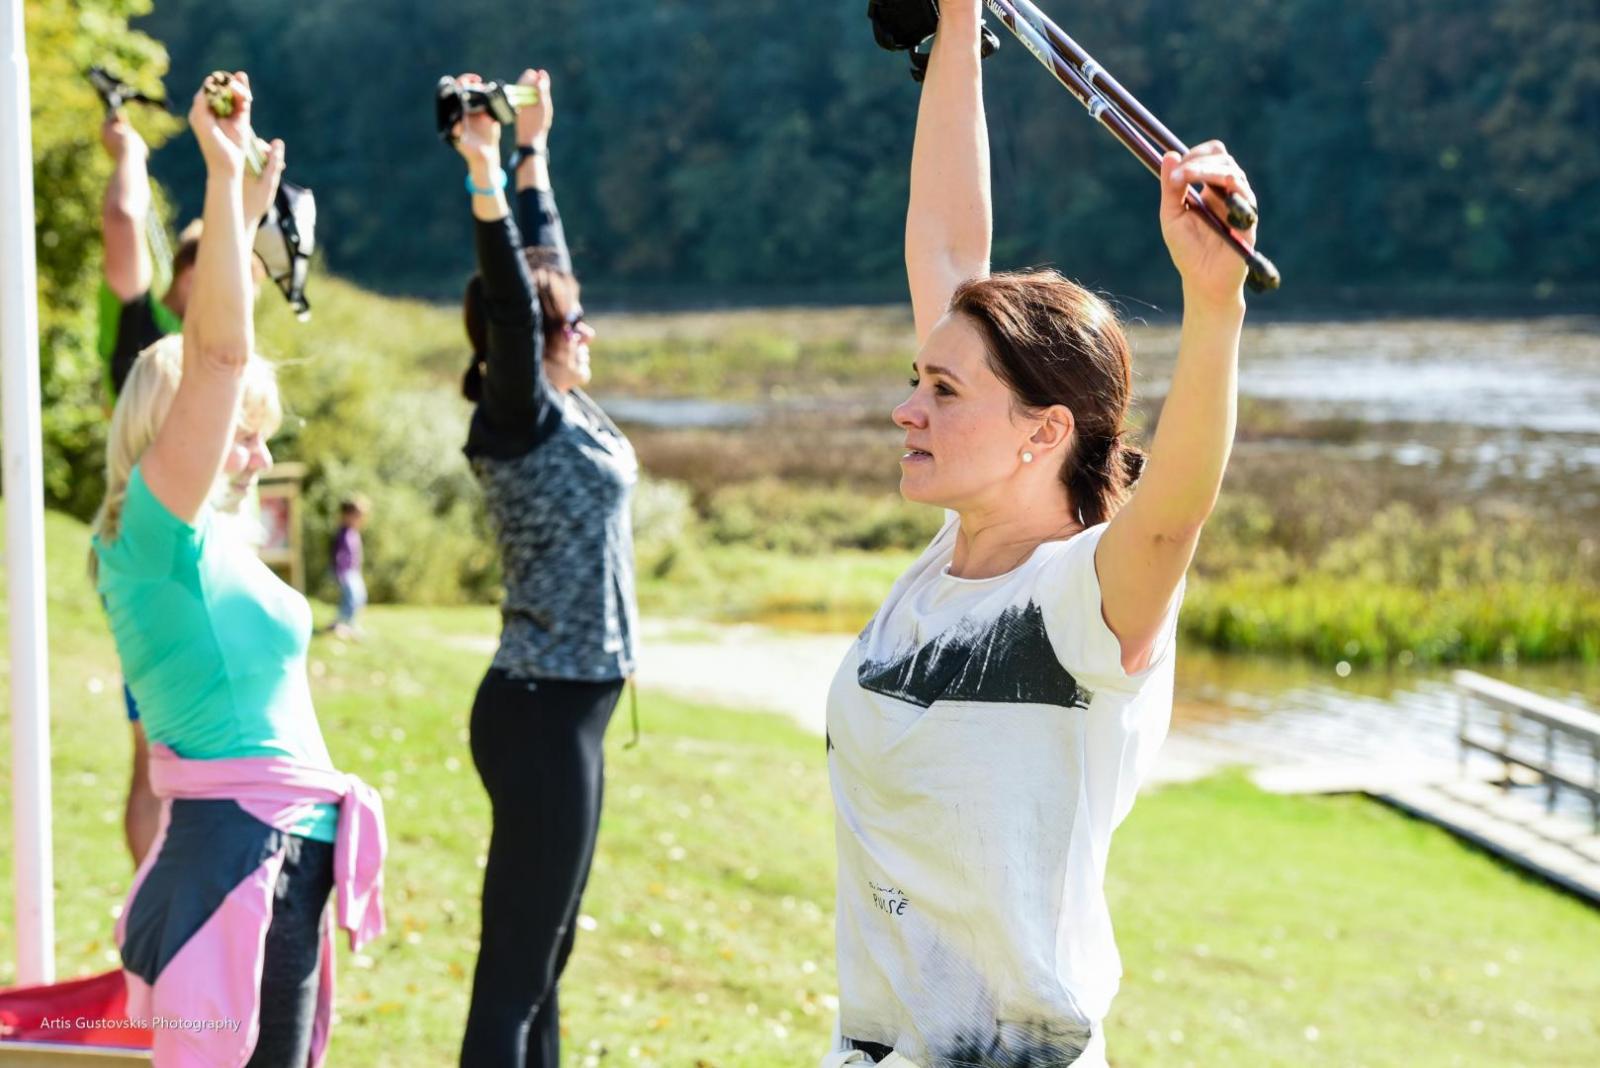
(142,407)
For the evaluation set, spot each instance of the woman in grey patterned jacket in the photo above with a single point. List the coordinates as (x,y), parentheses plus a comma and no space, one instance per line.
(557,475)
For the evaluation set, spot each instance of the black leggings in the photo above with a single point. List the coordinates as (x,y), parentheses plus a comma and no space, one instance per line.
(291,970)
(538,748)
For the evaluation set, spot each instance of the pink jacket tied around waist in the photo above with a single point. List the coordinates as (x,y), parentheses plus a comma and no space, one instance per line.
(216,976)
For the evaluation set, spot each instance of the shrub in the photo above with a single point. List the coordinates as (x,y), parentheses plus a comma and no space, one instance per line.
(367,414)
(774,515)
(664,525)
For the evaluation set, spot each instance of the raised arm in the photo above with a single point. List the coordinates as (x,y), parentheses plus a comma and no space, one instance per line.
(536,199)
(516,394)
(127,204)
(182,464)
(1144,553)
(949,224)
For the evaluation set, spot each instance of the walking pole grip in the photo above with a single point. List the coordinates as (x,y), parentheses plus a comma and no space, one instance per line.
(1241,213)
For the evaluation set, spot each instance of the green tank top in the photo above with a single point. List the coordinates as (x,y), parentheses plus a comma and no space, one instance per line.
(158,322)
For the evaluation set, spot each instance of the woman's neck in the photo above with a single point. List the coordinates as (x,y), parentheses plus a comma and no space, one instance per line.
(993,542)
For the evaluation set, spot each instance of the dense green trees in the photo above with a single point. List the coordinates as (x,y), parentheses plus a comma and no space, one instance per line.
(714,150)
(707,146)
(70,173)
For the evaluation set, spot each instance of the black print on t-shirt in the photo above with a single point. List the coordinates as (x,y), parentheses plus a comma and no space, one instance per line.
(889,900)
(1008,660)
(1028,1045)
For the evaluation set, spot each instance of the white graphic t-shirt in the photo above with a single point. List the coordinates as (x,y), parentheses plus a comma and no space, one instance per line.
(983,743)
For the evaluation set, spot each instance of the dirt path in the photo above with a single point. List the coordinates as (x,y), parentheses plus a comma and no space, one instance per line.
(755,668)
(741,666)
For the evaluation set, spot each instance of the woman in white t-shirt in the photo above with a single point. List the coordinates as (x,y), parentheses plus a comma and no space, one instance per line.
(989,729)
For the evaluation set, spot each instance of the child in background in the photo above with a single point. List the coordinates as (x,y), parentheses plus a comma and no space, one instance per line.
(347,565)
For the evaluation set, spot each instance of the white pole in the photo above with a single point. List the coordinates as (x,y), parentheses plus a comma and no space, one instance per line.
(24,504)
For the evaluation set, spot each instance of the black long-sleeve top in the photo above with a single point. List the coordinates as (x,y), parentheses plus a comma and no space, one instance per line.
(557,477)
(514,412)
(517,408)
(538,215)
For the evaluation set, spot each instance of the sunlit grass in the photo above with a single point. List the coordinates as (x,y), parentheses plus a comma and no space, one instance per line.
(708,922)
(1256,930)
(1304,933)
(1261,930)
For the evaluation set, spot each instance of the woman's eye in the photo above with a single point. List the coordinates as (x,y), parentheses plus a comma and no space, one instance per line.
(944,390)
(915,382)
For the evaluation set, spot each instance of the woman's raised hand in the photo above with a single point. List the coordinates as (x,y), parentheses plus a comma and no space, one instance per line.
(1212,272)
(477,135)
(223,138)
(121,139)
(260,189)
(534,121)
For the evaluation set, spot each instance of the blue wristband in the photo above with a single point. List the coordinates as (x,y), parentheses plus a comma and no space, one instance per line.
(475,191)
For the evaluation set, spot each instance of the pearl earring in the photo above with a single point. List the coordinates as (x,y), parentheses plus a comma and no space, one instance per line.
(1027,457)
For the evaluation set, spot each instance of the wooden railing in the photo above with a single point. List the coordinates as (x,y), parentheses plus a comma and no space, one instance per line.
(1517,713)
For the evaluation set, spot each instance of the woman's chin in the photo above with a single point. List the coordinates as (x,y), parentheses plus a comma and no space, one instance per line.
(569,376)
(234,489)
(916,489)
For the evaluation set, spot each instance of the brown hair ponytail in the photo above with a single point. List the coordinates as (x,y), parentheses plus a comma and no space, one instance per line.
(1053,342)
(1100,475)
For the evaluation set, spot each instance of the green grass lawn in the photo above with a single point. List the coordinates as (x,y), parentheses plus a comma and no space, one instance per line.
(1256,930)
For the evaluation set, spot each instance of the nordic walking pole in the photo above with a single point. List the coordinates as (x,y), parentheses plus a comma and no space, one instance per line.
(1241,212)
(115,94)
(1263,275)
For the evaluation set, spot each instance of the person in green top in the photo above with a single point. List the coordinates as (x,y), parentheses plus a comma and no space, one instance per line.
(132,318)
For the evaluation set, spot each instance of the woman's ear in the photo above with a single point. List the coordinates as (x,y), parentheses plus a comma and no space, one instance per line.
(1055,428)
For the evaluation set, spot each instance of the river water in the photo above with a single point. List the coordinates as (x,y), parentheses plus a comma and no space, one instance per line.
(1467,409)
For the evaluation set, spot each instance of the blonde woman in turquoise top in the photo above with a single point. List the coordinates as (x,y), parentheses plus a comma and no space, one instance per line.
(213,644)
